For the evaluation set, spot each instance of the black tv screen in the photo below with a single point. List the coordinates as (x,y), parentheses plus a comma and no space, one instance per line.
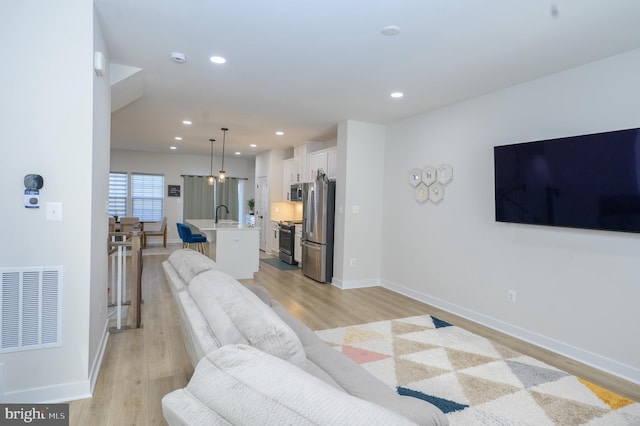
(589,181)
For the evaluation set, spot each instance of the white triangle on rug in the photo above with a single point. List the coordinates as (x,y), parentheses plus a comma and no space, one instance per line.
(421,320)
(497,371)
(473,416)
(631,413)
(518,407)
(431,337)
(614,418)
(445,386)
(382,346)
(383,327)
(434,357)
(332,336)
(384,370)
(569,387)
(458,338)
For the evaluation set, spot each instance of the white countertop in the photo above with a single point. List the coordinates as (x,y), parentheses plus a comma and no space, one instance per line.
(222,225)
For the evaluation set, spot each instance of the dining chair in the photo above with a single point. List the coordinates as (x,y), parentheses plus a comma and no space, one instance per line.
(155,229)
(127,224)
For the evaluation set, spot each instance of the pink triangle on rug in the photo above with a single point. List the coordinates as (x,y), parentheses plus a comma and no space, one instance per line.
(362,356)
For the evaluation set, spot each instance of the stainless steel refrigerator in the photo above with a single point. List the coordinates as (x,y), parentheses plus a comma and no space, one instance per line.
(318,216)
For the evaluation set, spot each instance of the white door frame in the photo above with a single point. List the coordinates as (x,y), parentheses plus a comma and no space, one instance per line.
(262,211)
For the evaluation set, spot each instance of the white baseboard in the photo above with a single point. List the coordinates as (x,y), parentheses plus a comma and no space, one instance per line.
(346,285)
(602,363)
(60,393)
(63,392)
(97,362)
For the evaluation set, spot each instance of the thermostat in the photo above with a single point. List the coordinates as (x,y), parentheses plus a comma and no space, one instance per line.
(32,183)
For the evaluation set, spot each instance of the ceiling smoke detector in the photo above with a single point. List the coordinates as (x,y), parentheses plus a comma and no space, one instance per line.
(178,57)
(391,30)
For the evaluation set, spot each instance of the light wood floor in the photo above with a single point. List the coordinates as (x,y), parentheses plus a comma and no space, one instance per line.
(141,366)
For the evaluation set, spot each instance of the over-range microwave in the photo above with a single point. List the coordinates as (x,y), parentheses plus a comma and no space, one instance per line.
(296,192)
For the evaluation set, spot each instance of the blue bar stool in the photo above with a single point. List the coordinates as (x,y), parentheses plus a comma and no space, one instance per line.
(189,238)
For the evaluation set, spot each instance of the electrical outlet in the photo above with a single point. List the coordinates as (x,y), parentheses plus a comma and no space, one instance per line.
(511,296)
(352,262)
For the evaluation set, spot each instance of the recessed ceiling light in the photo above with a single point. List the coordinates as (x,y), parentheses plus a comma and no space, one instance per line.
(238,152)
(397,94)
(178,138)
(172,147)
(391,30)
(217,59)
(279,133)
(178,57)
(187,122)
(253,145)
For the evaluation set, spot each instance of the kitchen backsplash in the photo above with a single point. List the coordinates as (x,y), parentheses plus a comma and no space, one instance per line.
(286,210)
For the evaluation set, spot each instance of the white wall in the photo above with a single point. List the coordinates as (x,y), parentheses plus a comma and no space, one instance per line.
(577,290)
(98,321)
(173,165)
(359,179)
(47,128)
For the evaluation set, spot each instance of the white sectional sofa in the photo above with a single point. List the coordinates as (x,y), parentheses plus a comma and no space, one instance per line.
(257,364)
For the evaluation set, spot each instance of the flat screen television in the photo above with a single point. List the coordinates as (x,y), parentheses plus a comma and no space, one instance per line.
(588,181)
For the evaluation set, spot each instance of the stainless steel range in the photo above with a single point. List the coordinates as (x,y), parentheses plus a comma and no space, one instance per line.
(287,242)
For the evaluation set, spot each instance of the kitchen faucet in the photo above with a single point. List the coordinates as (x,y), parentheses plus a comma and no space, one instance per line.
(218,208)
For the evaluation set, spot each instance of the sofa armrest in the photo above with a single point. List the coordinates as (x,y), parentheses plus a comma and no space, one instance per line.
(245,386)
(262,294)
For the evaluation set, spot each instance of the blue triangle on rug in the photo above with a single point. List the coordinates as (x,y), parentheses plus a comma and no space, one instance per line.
(445,405)
(438,323)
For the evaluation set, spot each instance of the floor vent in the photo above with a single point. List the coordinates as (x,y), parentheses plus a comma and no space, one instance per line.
(31,300)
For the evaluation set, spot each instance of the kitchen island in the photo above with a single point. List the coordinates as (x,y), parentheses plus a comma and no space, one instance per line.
(234,247)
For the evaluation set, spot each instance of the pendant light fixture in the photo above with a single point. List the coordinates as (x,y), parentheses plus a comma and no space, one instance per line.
(211,178)
(221,175)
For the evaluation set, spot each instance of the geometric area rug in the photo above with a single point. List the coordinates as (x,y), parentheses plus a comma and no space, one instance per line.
(474,380)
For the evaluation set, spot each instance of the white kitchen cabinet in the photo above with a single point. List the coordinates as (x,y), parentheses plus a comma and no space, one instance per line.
(325,159)
(317,161)
(287,178)
(274,238)
(332,163)
(300,166)
(297,253)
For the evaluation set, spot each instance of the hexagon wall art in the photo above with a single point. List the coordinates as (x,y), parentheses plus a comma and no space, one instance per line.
(422,193)
(415,177)
(429,182)
(436,193)
(429,175)
(445,174)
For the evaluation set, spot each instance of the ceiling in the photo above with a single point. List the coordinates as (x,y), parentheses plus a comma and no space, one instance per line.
(301,67)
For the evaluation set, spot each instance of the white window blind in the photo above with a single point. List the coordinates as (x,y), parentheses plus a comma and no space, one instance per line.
(147,196)
(118,187)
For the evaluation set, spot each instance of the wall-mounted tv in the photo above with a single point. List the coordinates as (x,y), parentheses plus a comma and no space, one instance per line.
(588,181)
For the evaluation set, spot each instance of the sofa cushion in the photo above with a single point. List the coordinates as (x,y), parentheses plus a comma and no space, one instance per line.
(189,264)
(240,385)
(236,315)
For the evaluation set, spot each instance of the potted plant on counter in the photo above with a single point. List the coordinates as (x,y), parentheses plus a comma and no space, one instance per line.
(251,203)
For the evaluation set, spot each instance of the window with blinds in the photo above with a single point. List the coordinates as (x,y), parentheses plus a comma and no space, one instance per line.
(118,188)
(147,196)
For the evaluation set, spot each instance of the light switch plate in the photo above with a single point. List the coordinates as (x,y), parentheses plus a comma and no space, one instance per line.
(54,211)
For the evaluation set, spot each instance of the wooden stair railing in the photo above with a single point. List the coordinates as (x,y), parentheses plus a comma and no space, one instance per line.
(118,243)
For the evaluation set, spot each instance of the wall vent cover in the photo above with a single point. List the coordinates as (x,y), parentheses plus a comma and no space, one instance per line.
(31,301)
